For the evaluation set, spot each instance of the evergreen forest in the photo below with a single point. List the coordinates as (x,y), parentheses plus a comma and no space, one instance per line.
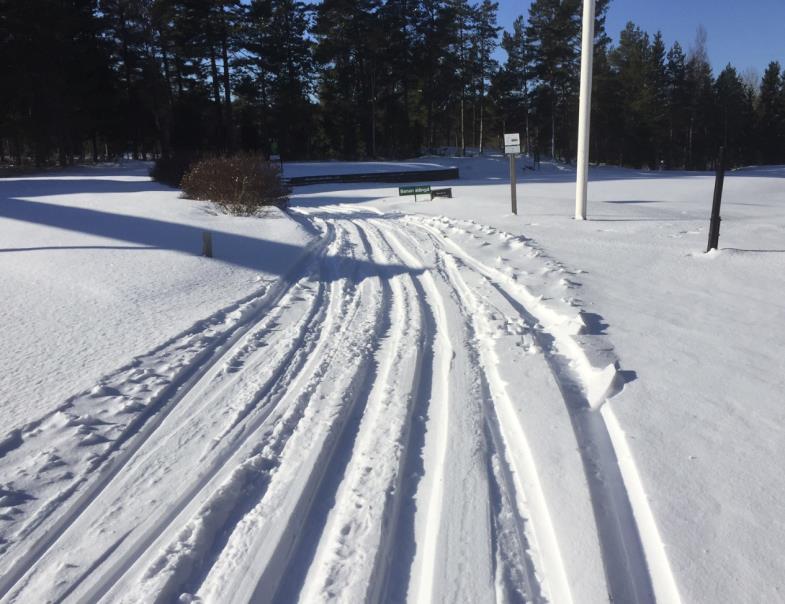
(93,80)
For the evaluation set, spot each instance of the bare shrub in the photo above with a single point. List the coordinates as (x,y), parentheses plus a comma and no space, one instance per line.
(241,184)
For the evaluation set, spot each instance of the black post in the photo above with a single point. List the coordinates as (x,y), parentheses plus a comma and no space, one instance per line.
(714,225)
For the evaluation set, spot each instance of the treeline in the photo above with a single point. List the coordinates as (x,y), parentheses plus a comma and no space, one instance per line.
(97,79)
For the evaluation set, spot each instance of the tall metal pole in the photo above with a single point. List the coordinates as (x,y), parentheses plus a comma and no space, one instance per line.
(584,115)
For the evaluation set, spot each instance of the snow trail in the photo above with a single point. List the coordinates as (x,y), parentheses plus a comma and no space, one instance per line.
(141,395)
(372,428)
(368,498)
(523,570)
(620,538)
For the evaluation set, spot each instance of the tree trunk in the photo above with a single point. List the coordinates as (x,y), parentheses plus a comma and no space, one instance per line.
(526,122)
(130,126)
(217,94)
(167,75)
(463,130)
(373,113)
(430,124)
(474,124)
(482,109)
(179,75)
(226,80)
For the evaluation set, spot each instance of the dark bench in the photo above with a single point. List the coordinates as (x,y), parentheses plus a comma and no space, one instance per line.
(447,192)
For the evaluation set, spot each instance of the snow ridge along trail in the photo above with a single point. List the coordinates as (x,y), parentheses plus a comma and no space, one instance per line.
(400,420)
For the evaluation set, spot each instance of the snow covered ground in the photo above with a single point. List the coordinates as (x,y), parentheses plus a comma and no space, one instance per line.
(376,399)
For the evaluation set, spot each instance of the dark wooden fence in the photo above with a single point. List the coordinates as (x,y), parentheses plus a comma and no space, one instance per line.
(411,176)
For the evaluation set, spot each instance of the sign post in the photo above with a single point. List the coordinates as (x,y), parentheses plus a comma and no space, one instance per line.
(512,147)
(513,186)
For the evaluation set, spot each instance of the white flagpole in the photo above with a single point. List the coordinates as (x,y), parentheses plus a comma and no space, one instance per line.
(584,115)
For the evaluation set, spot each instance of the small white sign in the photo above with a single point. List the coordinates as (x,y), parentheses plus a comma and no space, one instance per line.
(512,143)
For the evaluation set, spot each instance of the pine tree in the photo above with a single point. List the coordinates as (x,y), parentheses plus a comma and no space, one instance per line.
(485,40)
(57,88)
(462,14)
(701,142)
(731,103)
(658,81)
(278,74)
(606,131)
(630,60)
(770,115)
(553,49)
(347,32)
(678,107)
(393,77)
(436,67)
(510,88)
(553,38)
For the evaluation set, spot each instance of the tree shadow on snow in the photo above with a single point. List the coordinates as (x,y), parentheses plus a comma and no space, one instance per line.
(45,187)
(632,201)
(145,233)
(78,247)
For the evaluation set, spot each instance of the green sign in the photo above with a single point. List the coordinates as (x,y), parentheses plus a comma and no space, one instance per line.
(420,190)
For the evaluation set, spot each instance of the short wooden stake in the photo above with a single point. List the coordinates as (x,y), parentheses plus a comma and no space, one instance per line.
(207,244)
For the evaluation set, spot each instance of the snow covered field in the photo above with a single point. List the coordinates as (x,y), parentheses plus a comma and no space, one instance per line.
(376,399)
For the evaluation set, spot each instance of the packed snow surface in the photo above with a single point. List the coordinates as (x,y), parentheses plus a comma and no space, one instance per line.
(375,399)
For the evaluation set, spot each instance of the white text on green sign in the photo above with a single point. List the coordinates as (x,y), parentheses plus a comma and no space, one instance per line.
(423,190)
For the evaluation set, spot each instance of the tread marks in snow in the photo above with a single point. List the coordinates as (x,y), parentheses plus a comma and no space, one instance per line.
(620,539)
(515,577)
(186,360)
(247,467)
(356,408)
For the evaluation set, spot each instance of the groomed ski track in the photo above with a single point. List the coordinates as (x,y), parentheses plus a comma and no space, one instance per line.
(369,428)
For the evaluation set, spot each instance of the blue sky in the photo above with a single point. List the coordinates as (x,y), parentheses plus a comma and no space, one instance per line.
(747,33)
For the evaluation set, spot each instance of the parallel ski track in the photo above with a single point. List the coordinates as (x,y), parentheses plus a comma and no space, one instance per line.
(344,454)
(353,301)
(620,538)
(503,473)
(434,322)
(519,562)
(284,540)
(499,478)
(435,414)
(296,365)
(144,426)
(379,435)
(419,399)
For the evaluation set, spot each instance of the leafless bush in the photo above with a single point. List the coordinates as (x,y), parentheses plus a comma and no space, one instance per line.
(241,184)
